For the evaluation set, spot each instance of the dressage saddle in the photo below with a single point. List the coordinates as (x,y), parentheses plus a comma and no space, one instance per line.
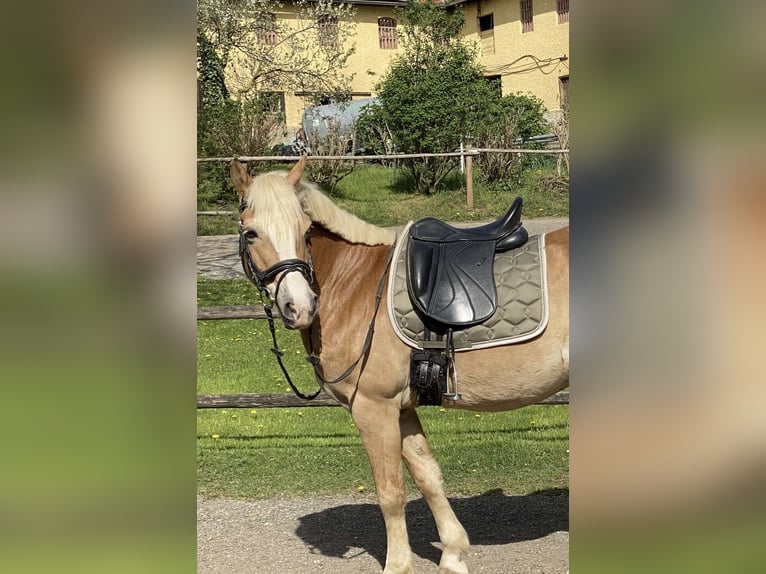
(450,270)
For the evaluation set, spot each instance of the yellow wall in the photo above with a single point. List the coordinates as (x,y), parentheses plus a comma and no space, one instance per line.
(501,52)
(507,44)
(369,57)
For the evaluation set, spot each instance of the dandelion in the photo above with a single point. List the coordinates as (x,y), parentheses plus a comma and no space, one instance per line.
(215,436)
(442,410)
(253,412)
(360,488)
(477,415)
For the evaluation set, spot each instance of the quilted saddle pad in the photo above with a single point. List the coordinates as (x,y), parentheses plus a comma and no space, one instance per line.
(522,310)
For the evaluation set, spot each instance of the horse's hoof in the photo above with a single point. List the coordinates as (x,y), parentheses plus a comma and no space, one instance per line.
(457,568)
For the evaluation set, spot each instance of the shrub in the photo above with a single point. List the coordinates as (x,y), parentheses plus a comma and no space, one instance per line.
(515,117)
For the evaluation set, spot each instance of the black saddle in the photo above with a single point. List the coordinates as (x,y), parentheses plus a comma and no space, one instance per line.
(450,270)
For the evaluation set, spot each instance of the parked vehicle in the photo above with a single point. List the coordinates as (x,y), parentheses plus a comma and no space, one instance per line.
(317,123)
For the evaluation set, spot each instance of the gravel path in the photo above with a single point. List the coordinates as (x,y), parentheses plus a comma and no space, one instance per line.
(345,535)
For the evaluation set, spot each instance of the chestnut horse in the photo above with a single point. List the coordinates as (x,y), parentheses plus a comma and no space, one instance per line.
(331,299)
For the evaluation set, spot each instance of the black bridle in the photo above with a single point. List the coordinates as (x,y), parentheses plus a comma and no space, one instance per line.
(261,278)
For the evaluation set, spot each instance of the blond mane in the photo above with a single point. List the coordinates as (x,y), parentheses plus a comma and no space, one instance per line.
(271,196)
(323,211)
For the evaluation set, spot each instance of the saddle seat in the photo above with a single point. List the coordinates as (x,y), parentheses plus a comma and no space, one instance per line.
(450,269)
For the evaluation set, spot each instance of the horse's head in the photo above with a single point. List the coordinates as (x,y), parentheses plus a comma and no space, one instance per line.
(273,241)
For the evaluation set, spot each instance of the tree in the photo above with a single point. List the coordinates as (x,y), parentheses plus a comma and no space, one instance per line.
(434,97)
(263,53)
(245,57)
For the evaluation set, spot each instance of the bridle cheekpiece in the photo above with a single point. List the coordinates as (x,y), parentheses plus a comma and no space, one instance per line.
(262,278)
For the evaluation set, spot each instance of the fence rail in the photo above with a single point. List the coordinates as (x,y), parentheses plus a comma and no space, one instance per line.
(281,400)
(473,152)
(466,156)
(231,312)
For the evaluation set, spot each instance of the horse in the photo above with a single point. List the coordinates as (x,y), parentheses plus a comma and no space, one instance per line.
(323,268)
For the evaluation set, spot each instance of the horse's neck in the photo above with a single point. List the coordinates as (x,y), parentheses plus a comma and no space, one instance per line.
(344,268)
(348,276)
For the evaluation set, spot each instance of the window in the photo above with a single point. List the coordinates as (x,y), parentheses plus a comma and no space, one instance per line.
(322,99)
(526,15)
(564,92)
(562,9)
(266,28)
(327,26)
(497,82)
(486,23)
(273,102)
(387,33)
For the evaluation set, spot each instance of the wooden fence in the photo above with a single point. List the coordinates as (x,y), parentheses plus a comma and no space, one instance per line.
(264,400)
(271,400)
(466,156)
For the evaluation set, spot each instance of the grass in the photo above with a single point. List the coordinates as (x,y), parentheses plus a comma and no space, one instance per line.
(381,196)
(260,453)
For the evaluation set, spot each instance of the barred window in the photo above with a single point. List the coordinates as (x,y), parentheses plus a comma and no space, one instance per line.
(327,26)
(387,33)
(266,28)
(562,9)
(526,16)
(273,102)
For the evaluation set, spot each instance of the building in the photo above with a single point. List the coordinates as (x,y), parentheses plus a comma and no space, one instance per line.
(523,45)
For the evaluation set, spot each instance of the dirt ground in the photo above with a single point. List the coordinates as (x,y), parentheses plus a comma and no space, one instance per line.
(345,535)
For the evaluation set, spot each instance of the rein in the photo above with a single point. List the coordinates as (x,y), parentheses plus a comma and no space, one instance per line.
(261,278)
(314,360)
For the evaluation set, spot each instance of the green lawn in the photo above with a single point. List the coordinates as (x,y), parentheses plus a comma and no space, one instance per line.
(259,453)
(379,195)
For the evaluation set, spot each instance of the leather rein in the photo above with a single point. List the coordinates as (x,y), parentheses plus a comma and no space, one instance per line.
(261,278)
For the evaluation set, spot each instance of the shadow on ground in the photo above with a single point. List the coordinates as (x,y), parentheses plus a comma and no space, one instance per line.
(490,519)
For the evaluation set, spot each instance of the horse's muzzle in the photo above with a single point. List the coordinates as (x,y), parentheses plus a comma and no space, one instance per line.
(299,317)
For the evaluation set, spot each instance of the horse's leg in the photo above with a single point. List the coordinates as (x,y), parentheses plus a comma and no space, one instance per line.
(378,424)
(426,474)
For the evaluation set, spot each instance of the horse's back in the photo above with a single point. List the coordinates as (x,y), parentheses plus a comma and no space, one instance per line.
(512,376)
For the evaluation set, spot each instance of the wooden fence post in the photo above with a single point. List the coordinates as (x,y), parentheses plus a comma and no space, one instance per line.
(469,178)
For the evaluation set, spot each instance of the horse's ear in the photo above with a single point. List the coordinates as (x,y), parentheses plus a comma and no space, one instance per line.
(239,177)
(295,174)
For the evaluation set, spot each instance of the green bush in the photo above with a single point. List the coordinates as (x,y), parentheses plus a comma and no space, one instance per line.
(514,117)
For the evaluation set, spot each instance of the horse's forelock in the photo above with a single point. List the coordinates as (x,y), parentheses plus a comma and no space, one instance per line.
(275,204)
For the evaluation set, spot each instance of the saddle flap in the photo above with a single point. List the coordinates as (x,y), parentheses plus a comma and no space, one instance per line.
(452,283)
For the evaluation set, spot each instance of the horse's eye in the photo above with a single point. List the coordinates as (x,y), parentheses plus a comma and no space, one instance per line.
(251,234)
